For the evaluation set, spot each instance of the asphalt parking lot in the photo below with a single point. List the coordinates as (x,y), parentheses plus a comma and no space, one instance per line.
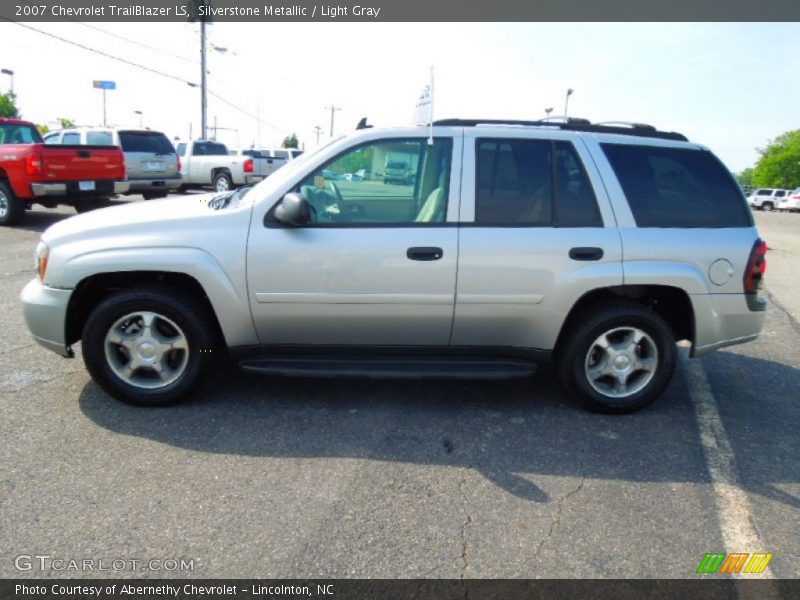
(270,477)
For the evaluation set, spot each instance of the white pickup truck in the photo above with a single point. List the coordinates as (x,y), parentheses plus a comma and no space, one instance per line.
(206,163)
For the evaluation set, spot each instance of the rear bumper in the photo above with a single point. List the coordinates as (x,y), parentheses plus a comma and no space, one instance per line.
(726,319)
(154,184)
(249,179)
(71,188)
(45,310)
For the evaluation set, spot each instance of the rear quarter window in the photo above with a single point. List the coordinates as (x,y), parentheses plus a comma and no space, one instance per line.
(677,187)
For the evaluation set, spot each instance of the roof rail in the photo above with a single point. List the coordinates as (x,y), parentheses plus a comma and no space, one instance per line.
(574,124)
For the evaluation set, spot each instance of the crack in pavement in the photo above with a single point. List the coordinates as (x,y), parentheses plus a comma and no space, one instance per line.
(559,514)
(463,529)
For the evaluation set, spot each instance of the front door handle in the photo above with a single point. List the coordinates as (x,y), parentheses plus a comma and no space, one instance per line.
(586,253)
(425,253)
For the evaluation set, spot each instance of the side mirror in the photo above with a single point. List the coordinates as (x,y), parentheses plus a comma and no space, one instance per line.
(293,210)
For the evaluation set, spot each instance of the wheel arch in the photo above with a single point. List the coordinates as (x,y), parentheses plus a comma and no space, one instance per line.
(671,303)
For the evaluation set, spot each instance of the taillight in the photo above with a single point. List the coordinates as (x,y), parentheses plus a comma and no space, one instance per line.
(756,267)
(248,165)
(179,162)
(33,165)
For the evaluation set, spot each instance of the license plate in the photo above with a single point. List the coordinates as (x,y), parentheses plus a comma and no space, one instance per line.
(154,166)
(86,186)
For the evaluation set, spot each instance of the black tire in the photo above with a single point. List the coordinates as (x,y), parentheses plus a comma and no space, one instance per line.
(595,321)
(90,204)
(193,317)
(767,206)
(12,209)
(223,179)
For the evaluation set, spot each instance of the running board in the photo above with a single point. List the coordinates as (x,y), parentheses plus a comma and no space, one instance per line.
(390,366)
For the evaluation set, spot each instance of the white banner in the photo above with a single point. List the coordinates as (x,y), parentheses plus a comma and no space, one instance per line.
(423,112)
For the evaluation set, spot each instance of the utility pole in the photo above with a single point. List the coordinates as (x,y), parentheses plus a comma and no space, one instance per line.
(333,110)
(203,102)
(317,130)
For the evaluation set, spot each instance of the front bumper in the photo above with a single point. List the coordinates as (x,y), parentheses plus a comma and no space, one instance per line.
(71,188)
(45,310)
(726,319)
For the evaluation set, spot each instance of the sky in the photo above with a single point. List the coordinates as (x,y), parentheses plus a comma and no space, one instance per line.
(730,86)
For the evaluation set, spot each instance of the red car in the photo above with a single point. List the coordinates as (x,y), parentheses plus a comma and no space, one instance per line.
(85,177)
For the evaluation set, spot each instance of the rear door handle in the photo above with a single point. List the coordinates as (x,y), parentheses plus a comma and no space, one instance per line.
(425,253)
(586,253)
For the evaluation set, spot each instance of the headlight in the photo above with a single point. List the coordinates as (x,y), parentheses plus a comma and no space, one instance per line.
(41,255)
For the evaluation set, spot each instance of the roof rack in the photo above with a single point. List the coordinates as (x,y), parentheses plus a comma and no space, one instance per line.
(575,124)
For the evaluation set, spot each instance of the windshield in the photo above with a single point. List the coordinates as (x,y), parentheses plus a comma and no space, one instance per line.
(288,173)
(11,133)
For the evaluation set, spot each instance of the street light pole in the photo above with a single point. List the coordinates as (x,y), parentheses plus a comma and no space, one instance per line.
(138,112)
(317,130)
(10,74)
(547,111)
(566,104)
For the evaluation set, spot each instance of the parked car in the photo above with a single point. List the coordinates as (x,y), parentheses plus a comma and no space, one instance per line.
(208,163)
(398,172)
(268,162)
(150,159)
(595,246)
(790,202)
(85,177)
(766,198)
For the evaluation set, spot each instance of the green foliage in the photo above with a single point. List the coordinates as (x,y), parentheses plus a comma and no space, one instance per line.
(355,161)
(290,141)
(745,178)
(65,123)
(43,129)
(8,106)
(779,165)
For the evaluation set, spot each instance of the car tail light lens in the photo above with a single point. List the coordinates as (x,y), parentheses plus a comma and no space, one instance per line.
(756,267)
(179,162)
(248,165)
(34,165)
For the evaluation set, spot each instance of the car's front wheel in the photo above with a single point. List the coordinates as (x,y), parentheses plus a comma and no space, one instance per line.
(148,346)
(619,359)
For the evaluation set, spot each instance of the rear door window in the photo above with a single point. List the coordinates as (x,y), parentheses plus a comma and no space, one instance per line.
(523,182)
(99,138)
(150,142)
(677,187)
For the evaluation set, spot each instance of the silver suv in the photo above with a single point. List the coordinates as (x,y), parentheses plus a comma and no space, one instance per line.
(595,246)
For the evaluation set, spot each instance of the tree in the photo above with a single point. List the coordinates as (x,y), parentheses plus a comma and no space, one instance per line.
(745,178)
(290,141)
(65,123)
(8,106)
(779,165)
(43,129)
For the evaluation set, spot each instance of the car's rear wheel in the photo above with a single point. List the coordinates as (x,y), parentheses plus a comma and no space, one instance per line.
(223,183)
(767,206)
(12,209)
(619,359)
(149,346)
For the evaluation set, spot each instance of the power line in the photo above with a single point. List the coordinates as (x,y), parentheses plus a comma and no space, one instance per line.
(100,52)
(145,68)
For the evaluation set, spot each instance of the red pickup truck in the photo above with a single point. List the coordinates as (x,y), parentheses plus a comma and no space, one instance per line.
(85,177)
